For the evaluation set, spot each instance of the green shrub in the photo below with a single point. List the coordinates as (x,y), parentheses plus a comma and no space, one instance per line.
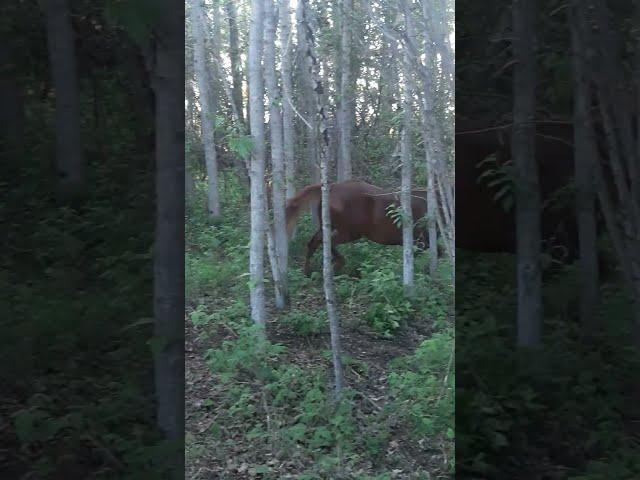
(306,324)
(423,385)
(389,308)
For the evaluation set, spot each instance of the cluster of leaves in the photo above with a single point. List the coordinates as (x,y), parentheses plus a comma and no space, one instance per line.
(499,177)
(306,323)
(423,386)
(279,405)
(373,275)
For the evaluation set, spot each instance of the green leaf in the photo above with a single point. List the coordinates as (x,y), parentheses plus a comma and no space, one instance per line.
(241,146)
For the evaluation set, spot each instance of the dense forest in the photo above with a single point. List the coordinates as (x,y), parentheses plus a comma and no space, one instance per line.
(297,366)
(546,339)
(254,276)
(91,293)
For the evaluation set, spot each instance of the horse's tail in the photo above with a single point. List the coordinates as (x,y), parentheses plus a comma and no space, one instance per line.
(308,196)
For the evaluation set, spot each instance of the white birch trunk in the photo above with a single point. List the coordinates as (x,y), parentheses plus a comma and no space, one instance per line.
(258,200)
(70,162)
(585,157)
(345,119)
(307,86)
(277,155)
(432,206)
(168,287)
(431,133)
(527,192)
(312,67)
(405,194)
(287,110)
(234,57)
(207,108)
(620,202)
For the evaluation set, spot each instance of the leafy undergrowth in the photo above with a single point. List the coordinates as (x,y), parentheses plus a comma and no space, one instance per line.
(270,414)
(75,401)
(569,412)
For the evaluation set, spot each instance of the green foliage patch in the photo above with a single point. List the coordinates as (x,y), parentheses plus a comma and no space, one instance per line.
(278,402)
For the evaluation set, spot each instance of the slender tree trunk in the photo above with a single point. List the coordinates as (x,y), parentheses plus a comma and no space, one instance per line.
(248,111)
(70,162)
(207,107)
(585,158)
(168,296)
(405,196)
(287,111)
(277,153)
(435,16)
(431,135)
(619,201)
(432,206)
(241,164)
(258,198)
(527,188)
(346,94)
(189,180)
(312,67)
(385,83)
(307,90)
(436,10)
(234,57)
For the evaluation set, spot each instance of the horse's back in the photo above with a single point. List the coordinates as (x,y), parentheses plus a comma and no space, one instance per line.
(352,205)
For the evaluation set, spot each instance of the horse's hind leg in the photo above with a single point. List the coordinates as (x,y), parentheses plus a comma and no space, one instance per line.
(312,246)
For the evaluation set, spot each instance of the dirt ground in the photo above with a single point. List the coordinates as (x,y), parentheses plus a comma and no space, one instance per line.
(370,385)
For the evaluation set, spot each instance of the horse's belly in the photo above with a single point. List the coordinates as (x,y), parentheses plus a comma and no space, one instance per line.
(385,233)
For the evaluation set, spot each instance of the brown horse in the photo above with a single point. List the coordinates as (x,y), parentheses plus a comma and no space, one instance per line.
(481,222)
(358,210)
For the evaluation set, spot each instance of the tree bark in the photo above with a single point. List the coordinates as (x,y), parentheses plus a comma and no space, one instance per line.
(190,122)
(312,67)
(234,57)
(585,157)
(308,94)
(346,94)
(168,289)
(431,132)
(287,109)
(619,200)
(70,162)
(527,193)
(405,195)
(258,200)
(277,154)
(207,108)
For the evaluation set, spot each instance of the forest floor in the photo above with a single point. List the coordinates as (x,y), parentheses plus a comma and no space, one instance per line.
(359,343)
(238,425)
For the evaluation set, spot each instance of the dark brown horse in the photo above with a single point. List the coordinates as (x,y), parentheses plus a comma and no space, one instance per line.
(482,225)
(481,222)
(358,210)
